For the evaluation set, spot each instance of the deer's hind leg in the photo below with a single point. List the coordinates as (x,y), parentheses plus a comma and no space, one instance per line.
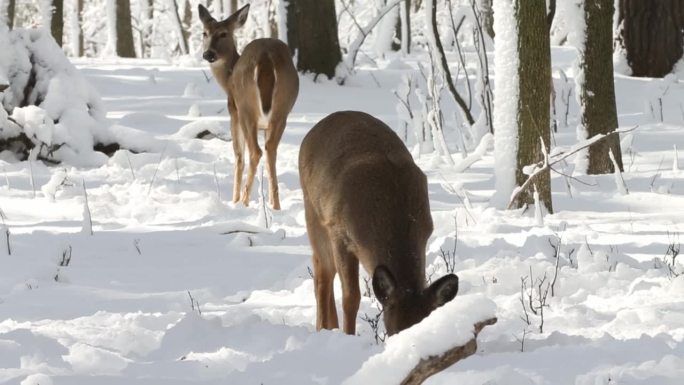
(249,130)
(347,266)
(324,271)
(273,135)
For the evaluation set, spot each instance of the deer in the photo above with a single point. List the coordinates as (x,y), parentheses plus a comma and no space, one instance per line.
(261,86)
(366,202)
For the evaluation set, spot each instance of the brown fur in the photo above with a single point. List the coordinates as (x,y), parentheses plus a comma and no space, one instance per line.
(367,202)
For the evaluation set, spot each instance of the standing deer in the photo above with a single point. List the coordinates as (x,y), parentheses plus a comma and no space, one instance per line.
(366,201)
(261,86)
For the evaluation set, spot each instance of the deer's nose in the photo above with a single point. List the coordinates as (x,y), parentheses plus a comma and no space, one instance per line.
(209,56)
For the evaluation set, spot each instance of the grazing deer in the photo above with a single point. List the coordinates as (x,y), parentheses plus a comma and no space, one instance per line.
(261,85)
(366,201)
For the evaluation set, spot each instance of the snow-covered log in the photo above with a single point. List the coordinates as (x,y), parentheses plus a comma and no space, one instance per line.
(445,337)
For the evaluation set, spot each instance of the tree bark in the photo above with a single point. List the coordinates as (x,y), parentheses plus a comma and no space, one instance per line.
(124,29)
(597,91)
(651,33)
(316,41)
(57,21)
(534,73)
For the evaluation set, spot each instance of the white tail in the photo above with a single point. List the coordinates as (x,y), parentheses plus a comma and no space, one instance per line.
(261,85)
(366,201)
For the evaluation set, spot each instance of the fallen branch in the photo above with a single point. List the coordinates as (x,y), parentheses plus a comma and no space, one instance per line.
(550,161)
(435,364)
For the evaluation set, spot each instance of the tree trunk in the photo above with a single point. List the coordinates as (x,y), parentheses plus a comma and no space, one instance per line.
(81,42)
(318,47)
(147,26)
(487,16)
(403,29)
(182,43)
(651,33)
(124,30)
(292,29)
(186,23)
(57,21)
(534,73)
(597,91)
(11,6)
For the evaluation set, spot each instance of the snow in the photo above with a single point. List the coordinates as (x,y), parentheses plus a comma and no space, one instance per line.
(177,285)
(506,100)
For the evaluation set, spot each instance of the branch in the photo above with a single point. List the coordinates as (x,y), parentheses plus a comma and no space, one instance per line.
(435,364)
(551,14)
(356,44)
(445,66)
(550,161)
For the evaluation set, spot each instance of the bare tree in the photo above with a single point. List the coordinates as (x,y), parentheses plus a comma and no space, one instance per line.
(11,6)
(57,21)
(403,28)
(81,49)
(487,16)
(597,90)
(124,29)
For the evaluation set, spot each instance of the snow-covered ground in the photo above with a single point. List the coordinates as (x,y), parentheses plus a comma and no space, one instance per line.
(177,285)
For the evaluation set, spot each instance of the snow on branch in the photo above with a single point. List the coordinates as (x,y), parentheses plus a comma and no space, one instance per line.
(445,337)
(550,160)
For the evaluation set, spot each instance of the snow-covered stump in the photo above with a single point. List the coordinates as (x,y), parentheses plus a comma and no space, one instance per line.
(445,337)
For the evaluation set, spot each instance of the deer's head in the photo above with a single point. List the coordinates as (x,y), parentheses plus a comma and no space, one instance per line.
(405,308)
(218,40)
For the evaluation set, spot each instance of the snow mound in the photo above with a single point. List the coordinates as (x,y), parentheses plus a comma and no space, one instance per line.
(449,326)
(202,129)
(55,114)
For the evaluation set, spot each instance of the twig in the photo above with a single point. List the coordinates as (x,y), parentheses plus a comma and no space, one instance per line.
(130,164)
(216,182)
(154,176)
(87,218)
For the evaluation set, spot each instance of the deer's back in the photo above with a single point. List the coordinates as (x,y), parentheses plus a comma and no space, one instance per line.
(361,181)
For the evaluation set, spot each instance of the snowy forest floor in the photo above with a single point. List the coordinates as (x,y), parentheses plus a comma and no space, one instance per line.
(179,286)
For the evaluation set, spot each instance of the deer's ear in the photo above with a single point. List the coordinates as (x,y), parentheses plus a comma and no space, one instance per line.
(384,284)
(241,16)
(443,290)
(204,15)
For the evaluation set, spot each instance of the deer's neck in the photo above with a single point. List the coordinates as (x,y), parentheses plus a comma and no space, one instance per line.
(223,70)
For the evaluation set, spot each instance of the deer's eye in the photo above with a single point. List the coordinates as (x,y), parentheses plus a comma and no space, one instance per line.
(204,35)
